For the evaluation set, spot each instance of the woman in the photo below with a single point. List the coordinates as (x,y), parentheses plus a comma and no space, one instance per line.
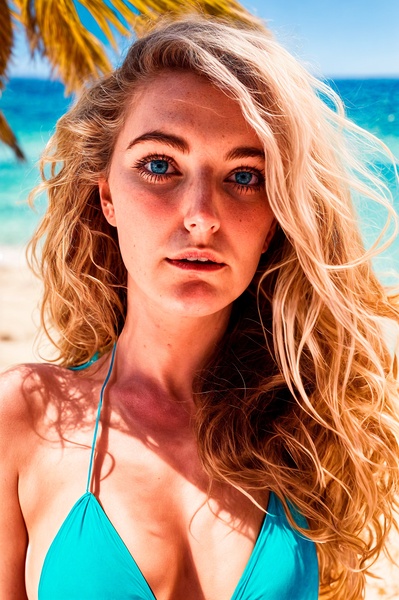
(223,383)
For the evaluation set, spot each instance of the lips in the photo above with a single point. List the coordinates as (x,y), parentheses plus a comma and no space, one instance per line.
(196,260)
(195,255)
(196,265)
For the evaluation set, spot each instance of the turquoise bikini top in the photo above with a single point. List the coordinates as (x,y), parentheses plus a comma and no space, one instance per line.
(88,559)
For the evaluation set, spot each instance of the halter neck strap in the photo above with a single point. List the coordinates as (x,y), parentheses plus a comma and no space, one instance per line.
(100,403)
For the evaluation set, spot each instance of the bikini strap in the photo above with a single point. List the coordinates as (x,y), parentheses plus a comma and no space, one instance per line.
(100,403)
(86,364)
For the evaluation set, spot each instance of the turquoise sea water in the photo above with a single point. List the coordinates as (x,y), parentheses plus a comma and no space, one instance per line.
(33,106)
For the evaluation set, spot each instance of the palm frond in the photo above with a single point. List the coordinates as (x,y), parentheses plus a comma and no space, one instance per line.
(7,136)
(55,30)
(6,38)
(109,14)
(228,9)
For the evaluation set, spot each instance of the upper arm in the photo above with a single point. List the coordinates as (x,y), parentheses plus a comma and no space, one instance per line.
(13,534)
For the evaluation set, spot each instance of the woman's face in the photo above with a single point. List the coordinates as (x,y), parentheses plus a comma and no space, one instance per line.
(186,193)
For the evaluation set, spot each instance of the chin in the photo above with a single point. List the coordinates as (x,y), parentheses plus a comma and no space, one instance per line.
(200,304)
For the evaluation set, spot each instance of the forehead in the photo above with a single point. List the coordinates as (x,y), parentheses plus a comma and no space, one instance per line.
(186,101)
(184,87)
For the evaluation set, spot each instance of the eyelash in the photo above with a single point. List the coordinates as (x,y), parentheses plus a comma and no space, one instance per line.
(154,177)
(248,188)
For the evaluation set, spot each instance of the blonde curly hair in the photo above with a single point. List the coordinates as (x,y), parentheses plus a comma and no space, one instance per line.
(301,397)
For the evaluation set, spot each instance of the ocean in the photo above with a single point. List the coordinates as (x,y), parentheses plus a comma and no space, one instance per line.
(32,107)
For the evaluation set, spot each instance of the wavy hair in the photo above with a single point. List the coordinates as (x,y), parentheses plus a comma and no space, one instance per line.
(301,397)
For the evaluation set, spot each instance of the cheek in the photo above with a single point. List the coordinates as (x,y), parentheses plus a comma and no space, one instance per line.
(142,231)
(137,204)
(255,229)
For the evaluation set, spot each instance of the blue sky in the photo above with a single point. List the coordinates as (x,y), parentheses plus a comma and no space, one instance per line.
(333,37)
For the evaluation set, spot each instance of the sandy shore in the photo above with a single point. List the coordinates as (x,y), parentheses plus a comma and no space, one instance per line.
(19,316)
(19,313)
(20,291)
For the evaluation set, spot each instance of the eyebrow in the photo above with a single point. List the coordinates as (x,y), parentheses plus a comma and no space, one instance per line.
(180,143)
(159,136)
(245,152)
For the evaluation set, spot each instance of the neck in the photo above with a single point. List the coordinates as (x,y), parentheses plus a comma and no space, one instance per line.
(167,349)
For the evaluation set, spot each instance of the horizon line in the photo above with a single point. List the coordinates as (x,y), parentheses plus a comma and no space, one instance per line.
(342,76)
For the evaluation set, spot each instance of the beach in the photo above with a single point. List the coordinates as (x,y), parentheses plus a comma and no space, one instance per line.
(20,292)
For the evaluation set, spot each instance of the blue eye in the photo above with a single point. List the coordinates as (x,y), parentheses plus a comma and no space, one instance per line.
(159,167)
(156,168)
(244,177)
(246,180)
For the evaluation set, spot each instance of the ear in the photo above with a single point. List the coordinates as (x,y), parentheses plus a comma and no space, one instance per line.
(269,236)
(106,201)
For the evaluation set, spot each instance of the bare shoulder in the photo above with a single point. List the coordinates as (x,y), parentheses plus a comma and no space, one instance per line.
(21,396)
(17,394)
(28,391)
(32,395)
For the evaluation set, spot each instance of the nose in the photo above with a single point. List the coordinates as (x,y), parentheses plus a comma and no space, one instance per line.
(201,215)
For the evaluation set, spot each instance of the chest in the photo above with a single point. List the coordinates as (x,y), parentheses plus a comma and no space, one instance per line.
(149,513)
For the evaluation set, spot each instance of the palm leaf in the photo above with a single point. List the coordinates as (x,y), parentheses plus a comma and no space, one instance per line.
(7,136)
(229,9)
(106,15)
(6,42)
(6,39)
(55,30)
